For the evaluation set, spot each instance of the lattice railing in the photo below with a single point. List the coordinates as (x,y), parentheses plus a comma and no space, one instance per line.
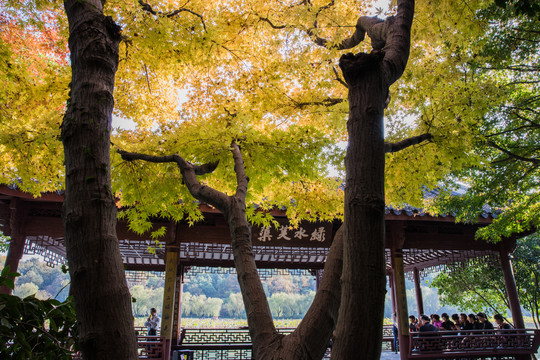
(222,336)
(477,343)
(151,347)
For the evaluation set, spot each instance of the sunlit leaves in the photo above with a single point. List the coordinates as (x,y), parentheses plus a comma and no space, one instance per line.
(33,90)
(506,137)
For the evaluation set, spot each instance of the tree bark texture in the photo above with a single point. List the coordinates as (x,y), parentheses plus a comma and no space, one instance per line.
(363,280)
(98,283)
(261,326)
(369,76)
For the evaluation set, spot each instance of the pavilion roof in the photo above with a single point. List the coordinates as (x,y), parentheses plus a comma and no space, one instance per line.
(427,241)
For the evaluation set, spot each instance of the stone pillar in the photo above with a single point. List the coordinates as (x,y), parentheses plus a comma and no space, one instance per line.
(418,291)
(511,289)
(401,301)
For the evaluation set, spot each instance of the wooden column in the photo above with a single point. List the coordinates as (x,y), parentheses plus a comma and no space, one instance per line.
(401,301)
(18,238)
(418,291)
(169,292)
(511,289)
(178,306)
(392,292)
(317,273)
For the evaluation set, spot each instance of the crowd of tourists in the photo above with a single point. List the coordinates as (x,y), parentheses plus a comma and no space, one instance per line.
(456,322)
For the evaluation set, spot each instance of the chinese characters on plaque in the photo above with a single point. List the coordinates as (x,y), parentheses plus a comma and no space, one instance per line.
(289,233)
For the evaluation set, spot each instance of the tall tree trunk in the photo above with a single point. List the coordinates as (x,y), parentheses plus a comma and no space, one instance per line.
(369,76)
(98,283)
(364,275)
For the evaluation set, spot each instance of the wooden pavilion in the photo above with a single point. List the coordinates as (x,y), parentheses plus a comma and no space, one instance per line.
(416,243)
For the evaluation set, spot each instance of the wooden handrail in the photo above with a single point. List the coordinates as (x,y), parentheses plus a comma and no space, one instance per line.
(473,343)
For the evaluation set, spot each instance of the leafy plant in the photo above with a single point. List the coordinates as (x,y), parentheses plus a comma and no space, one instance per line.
(35,329)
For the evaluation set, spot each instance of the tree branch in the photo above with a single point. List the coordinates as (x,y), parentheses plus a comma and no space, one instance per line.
(269,22)
(398,42)
(189,174)
(403,144)
(324,102)
(512,155)
(340,80)
(241,178)
(373,26)
(147,7)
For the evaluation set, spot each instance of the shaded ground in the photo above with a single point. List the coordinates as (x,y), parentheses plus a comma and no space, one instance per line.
(389,355)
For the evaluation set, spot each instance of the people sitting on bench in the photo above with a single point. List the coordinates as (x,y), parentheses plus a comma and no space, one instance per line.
(447,324)
(426,326)
(483,322)
(501,324)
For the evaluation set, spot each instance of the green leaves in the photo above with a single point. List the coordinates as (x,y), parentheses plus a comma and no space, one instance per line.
(479,286)
(37,329)
(6,277)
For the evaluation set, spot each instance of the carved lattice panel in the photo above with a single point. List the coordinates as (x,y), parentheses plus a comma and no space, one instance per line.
(193,271)
(215,336)
(478,342)
(51,249)
(151,347)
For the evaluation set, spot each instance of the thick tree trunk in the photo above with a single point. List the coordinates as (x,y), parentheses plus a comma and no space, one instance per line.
(98,284)
(361,312)
(369,76)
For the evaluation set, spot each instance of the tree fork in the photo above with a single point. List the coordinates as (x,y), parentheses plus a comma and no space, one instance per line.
(310,339)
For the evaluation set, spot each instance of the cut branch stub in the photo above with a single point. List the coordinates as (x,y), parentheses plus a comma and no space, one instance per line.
(353,64)
(205,168)
(376,29)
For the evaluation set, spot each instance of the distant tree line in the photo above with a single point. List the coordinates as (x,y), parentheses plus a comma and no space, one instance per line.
(209,295)
(37,278)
